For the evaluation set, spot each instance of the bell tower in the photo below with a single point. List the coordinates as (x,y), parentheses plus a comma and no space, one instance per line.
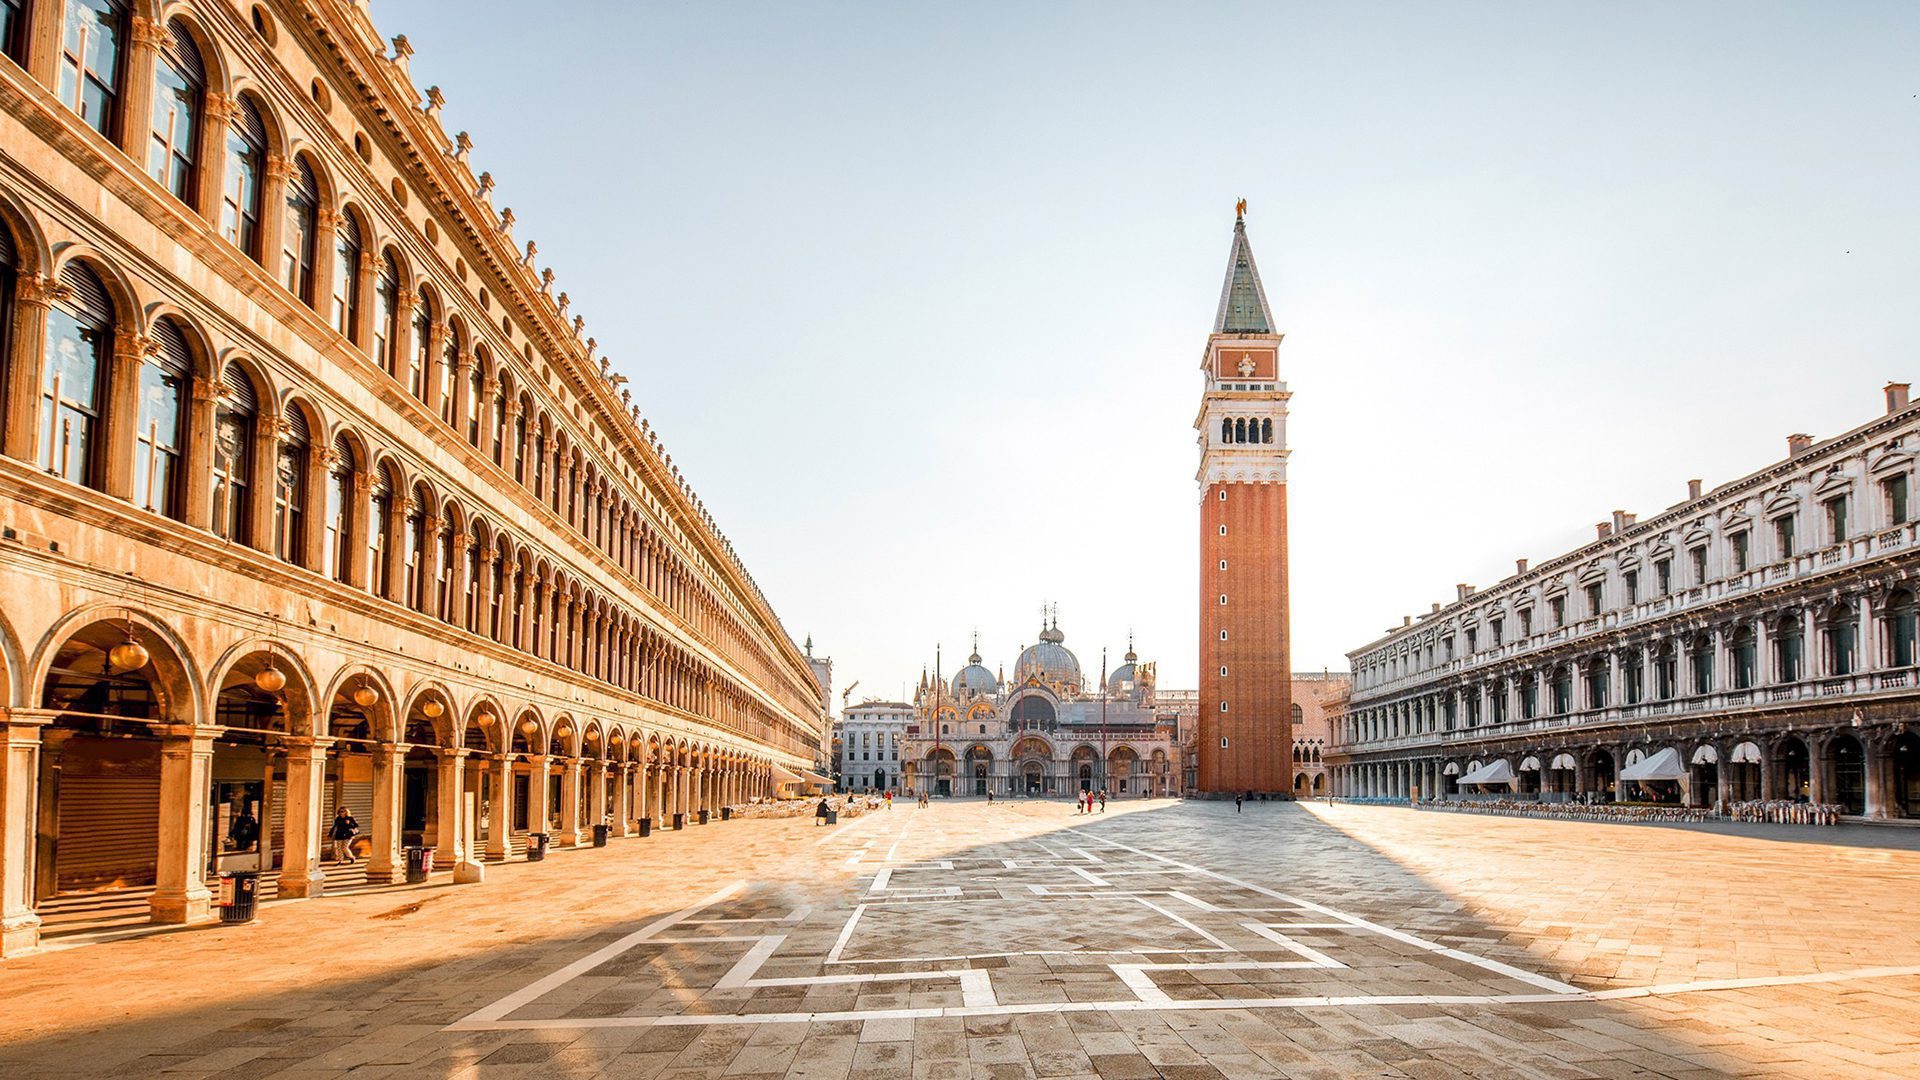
(1246,680)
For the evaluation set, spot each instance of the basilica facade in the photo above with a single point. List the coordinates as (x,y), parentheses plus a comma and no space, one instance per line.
(1043,732)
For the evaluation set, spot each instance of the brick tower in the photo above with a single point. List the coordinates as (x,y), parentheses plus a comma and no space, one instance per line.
(1246,698)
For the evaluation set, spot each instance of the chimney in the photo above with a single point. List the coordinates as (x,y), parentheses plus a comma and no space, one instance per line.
(1464,590)
(1693,489)
(1406,621)
(1603,529)
(1896,396)
(1798,444)
(1622,521)
(1519,566)
(1436,608)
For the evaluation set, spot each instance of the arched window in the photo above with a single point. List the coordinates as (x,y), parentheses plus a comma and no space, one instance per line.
(520,441)
(379,524)
(540,457)
(233,427)
(476,566)
(386,312)
(476,389)
(1226,429)
(1239,429)
(1900,619)
(240,193)
(338,551)
(1841,641)
(1787,649)
(9,280)
(91,60)
(13,30)
(1700,655)
(1745,654)
(448,604)
(298,234)
(542,637)
(415,551)
(73,379)
(160,432)
(179,97)
(500,432)
(1266,431)
(449,374)
(496,602)
(422,357)
(290,490)
(346,278)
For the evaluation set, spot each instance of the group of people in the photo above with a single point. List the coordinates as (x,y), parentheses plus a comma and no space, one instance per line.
(1087,799)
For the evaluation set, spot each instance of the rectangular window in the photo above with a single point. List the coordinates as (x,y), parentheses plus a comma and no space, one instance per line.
(1526,622)
(1473,640)
(1738,545)
(1556,612)
(1529,698)
(1699,557)
(1900,637)
(1895,490)
(1663,575)
(1498,628)
(1594,599)
(1836,519)
(1631,580)
(1783,536)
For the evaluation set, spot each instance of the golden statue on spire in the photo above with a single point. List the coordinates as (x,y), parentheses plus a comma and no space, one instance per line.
(1240,210)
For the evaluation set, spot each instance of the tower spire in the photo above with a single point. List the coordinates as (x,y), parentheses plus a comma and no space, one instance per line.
(1243,302)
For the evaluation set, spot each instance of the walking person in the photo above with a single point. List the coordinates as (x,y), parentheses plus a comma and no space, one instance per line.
(820,813)
(1236,802)
(1103,800)
(342,832)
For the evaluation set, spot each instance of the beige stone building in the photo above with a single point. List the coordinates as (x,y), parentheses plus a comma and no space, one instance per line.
(316,496)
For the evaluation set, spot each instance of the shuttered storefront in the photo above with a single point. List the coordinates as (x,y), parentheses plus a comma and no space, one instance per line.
(108,805)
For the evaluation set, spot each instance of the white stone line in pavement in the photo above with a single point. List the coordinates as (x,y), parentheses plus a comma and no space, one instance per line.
(1488,964)
(1090,876)
(1183,921)
(846,933)
(1319,958)
(592,960)
(1194,900)
(1708,985)
(897,837)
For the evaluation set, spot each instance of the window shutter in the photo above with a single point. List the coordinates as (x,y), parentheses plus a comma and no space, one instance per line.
(303,179)
(8,259)
(240,395)
(247,121)
(183,55)
(89,295)
(297,426)
(174,351)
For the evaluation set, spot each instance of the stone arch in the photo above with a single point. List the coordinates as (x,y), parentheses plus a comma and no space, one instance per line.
(32,253)
(528,734)
(485,716)
(11,661)
(265,388)
(178,686)
(246,660)
(433,691)
(380,716)
(244,87)
(127,309)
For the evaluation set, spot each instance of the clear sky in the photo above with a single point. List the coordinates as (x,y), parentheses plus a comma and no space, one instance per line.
(916,293)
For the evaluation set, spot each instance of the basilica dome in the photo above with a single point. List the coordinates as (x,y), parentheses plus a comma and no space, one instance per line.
(974,679)
(1049,661)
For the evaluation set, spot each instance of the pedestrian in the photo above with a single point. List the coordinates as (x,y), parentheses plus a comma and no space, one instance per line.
(244,830)
(1103,800)
(889,798)
(342,833)
(989,796)
(820,813)
(1236,803)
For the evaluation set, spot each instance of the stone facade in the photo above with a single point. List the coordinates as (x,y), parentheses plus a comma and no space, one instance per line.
(1245,710)
(1318,697)
(1755,641)
(316,495)
(867,743)
(1043,732)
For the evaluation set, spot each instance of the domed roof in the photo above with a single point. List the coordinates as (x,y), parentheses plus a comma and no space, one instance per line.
(1048,660)
(1122,679)
(974,679)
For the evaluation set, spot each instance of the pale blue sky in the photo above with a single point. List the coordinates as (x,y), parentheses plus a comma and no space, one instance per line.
(916,294)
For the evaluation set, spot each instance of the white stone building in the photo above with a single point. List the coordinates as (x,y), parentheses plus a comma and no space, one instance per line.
(868,739)
(1753,641)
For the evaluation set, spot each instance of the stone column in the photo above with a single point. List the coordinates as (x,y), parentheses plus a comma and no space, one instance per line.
(450,840)
(570,824)
(121,411)
(136,97)
(365,274)
(33,297)
(300,867)
(19,779)
(43,43)
(273,214)
(1879,775)
(403,344)
(1723,767)
(622,818)
(539,784)
(500,813)
(389,780)
(1867,656)
(180,893)
(429,569)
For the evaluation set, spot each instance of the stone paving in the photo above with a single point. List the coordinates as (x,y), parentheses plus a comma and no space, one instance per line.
(1159,939)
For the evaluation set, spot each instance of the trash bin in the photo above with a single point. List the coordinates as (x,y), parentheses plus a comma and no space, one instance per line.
(646,826)
(833,817)
(536,846)
(726,813)
(679,821)
(600,833)
(239,895)
(703,816)
(419,864)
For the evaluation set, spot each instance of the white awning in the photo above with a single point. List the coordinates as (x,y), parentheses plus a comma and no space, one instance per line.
(1563,762)
(1452,769)
(1665,765)
(783,775)
(816,780)
(1706,755)
(1531,764)
(1493,772)
(1744,753)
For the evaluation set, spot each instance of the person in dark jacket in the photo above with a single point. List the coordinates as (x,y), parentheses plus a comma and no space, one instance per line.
(342,832)
(820,813)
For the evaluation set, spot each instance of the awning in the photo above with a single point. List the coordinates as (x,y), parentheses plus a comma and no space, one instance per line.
(1531,764)
(815,779)
(1706,755)
(1563,762)
(1665,765)
(783,775)
(1744,753)
(1493,772)
(1452,769)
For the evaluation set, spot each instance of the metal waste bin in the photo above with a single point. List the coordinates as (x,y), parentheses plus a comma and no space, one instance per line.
(419,864)
(679,821)
(600,833)
(833,817)
(726,813)
(703,815)
(646,826)
(536,846)
(239,895)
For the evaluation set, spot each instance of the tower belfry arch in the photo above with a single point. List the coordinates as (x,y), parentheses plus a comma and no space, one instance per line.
(1245,721)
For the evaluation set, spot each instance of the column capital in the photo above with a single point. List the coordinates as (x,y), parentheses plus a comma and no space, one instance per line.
(219,107)
(40,290)
(145,33)
(278,170)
